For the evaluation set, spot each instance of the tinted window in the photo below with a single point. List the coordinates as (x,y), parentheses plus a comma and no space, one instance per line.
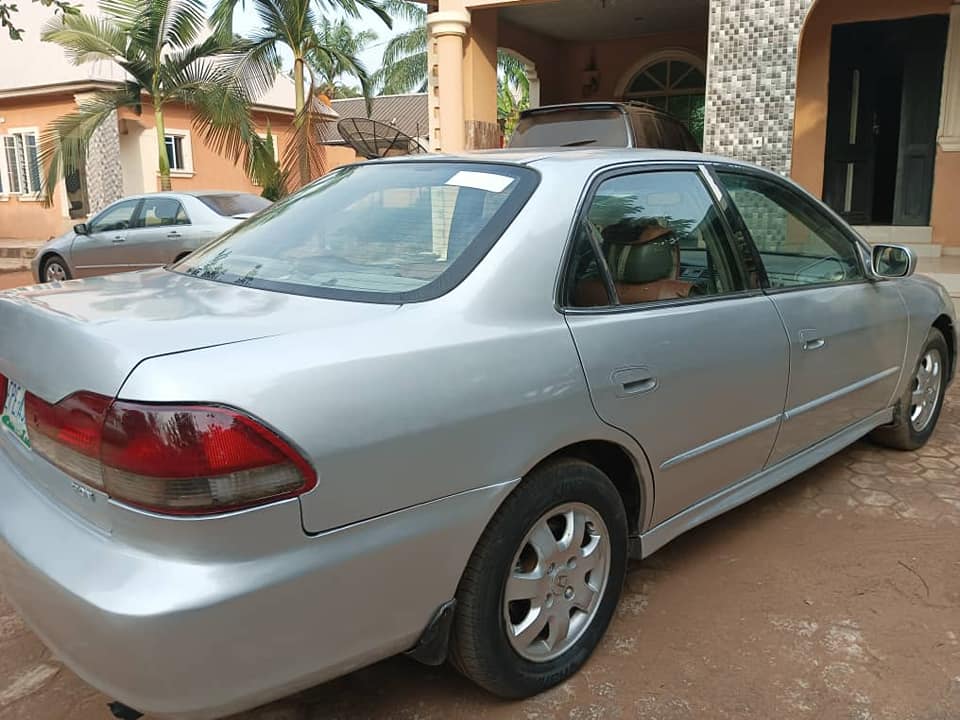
(389,232)
(798,242)
(661,238)
(231,204)
(571,127)
(118,217)
(162,211)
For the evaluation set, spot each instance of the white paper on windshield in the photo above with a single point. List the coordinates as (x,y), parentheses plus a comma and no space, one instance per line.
(490,182)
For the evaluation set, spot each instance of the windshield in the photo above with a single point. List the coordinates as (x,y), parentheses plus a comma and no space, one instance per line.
(232,204)
(574,127)
(377,232)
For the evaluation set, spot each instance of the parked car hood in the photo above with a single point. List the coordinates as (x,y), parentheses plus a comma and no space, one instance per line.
(90,334)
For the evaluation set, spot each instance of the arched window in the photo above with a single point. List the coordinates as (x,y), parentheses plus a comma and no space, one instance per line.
(674,85)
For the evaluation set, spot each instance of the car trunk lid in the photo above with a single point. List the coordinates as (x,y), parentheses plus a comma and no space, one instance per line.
(89,335)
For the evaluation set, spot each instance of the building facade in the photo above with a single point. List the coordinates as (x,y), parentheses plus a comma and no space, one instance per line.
(857,100)
(38,84)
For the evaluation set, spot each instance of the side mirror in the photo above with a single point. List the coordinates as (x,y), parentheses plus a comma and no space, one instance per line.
(81,229)
(893,261)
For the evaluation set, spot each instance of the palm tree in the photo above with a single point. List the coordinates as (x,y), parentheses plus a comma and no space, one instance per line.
(168,56)
(293,24)
(405,56)
(329,68)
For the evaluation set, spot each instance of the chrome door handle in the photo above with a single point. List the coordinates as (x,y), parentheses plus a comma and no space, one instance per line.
(634,381)
(811,340)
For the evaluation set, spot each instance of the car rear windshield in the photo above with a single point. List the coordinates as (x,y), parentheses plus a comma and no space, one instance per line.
(232,204)
(574,127)
(378,232)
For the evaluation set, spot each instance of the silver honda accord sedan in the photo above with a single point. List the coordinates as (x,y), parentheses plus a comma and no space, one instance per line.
(432,405)
(143,231)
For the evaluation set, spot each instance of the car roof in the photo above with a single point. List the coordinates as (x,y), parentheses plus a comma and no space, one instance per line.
(182,193)
(587,158)
(637,106)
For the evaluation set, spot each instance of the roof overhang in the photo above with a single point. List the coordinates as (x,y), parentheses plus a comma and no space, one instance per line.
(59,89)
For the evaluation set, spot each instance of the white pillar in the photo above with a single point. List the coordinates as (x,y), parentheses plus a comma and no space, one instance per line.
(533,80)
(447,29)
(949,135)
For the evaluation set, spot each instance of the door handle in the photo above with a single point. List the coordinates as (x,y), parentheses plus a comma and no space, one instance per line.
(173,234)
(811,340)
(634,381)
(119,239)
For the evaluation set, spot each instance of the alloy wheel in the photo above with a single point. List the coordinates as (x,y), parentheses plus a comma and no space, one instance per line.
(927,386)
(557,582)
(54,272)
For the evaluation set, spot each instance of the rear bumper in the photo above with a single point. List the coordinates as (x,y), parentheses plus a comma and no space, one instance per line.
(183,634)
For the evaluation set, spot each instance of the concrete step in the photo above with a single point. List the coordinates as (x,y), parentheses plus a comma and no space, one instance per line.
(17,254)
(898,235)
(925,251)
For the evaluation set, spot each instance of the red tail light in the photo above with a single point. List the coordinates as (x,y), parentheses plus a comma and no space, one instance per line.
(3,391)
(184,460)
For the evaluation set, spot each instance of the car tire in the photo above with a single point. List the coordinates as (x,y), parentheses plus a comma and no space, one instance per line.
(920,405)
(56,265)
(568,499)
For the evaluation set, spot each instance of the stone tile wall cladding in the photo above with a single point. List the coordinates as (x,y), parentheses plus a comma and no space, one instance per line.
(752,79)
(104,174)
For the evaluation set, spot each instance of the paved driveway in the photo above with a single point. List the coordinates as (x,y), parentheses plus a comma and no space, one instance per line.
(834,596)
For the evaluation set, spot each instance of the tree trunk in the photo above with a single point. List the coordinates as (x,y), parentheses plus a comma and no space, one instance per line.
(304,160)
(162,147)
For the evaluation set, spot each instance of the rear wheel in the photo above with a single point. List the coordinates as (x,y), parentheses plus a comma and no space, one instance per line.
(920,405)
(54,269)
(543,582)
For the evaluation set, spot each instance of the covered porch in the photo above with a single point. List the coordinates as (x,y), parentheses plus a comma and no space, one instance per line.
(572,51)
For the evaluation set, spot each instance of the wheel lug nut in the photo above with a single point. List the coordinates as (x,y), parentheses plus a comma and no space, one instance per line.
(572,563)
(568,593)
(552,569)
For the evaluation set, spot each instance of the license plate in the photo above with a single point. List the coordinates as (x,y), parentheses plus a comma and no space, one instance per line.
(14,418)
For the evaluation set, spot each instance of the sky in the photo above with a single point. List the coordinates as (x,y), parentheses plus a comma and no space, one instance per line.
(246,20)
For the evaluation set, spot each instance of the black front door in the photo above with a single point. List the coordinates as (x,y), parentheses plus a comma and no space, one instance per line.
(884,106)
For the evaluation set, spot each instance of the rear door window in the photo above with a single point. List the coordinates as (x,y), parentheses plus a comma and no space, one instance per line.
(158,211)
(573,127)
(660,237)
(232,204)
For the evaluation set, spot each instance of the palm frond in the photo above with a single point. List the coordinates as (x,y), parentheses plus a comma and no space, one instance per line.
(221,19)
(182,23)
(410,11)
(220,109)
(351,8)
(64,142)
(85,38)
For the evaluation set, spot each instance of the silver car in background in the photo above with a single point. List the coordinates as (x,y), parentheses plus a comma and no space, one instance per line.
(432,405)
(143,231)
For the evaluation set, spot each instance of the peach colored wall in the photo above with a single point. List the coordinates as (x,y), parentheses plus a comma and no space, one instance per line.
(29,219)
(560,64)
(211,169)
(945,215)
(545,52)
(813,76)
(338,155)
(615,58)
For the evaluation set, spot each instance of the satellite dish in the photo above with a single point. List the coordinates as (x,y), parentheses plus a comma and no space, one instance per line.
(372,139)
